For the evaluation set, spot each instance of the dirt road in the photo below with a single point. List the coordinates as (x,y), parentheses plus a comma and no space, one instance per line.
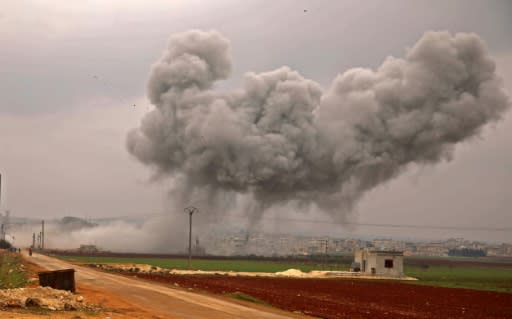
(159,300)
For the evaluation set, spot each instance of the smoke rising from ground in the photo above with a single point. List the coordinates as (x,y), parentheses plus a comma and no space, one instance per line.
(282,138)
(152,235)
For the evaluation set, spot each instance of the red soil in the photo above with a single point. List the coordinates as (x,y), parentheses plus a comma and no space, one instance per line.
(335,298)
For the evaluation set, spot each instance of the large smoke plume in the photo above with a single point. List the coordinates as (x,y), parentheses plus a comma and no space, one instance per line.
(282,138)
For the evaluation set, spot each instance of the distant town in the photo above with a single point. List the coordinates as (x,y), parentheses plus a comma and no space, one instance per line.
(285,245)
(240,243)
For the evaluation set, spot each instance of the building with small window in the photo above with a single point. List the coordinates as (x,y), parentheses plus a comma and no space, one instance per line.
(379,262)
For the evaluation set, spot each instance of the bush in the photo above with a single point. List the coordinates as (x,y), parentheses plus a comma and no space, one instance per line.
(467,252)
(4,244)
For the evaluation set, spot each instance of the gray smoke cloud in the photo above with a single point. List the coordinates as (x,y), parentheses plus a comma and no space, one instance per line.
(282,138)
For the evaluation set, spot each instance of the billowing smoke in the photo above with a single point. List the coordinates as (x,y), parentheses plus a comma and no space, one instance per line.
(282,138)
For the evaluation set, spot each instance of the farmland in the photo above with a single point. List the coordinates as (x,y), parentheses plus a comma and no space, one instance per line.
(491,279)
(345,298)
(433,296)
(209,264)
(479,274)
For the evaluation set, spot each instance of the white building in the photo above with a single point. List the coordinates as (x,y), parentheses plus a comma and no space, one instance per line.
(379,262)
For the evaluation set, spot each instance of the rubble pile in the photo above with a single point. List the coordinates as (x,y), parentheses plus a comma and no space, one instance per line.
(141,268)
(42,297)
(292,273)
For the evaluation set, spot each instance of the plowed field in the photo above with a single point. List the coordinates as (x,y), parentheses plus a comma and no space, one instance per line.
(326,298)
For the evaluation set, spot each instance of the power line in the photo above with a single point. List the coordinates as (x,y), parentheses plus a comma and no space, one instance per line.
(447,227)
(378,225)
(504,229)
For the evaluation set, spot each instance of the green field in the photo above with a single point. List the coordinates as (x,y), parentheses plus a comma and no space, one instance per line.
(481,278)
(11,272)
(208,264)
(453,276)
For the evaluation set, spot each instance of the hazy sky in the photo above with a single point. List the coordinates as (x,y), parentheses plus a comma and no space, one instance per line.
(70,72)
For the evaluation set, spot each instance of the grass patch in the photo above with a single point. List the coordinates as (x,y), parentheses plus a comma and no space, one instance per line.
(245,297)
(206,264)
(12,274)
(480,278)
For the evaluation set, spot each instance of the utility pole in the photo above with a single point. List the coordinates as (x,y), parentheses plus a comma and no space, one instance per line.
(42,234)
(33,240)
(4,225)
(4,220)
(323,245)
(2,230)
(190,210)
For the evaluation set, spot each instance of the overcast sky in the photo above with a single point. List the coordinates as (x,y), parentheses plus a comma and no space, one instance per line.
(71,71)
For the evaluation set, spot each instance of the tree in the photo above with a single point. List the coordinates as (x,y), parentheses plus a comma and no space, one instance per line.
(467,252)
(4,244)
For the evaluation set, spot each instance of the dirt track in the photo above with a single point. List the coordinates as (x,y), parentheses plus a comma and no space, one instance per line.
(151,300)
(334,298)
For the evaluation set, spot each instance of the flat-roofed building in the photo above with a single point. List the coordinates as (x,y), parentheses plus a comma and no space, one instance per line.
(379,262)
